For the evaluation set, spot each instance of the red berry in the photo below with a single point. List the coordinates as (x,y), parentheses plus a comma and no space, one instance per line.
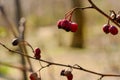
(37,56)
(70,76)
(59,24)
(113,30)
(74,26)
(66,24)
(106,28)
(33,76)
(37,51)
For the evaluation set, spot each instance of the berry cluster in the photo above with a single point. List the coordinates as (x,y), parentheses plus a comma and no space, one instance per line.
(107,28)
(37,53)
(67,25)
(110,29)
(34,76)
(67,73)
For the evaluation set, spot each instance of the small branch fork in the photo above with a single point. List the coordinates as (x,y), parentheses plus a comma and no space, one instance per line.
(18,33)
(93,6)
(77,67)
(101,12)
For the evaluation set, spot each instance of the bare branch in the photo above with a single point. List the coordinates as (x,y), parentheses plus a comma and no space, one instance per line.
(101,12)
(77,67)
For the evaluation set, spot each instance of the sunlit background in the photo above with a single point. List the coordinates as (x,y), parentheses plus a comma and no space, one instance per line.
(99,53)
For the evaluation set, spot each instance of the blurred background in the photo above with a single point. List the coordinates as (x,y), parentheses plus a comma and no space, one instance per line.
(89,47)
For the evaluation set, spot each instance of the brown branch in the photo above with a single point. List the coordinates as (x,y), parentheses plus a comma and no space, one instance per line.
(53,63)
(9,23)
(77,67)
(74,9)
(13,29)
(101,12)
(101,78)
(44,67)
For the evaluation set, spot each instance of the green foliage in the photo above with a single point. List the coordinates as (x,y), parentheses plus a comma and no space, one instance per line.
(2,32)
(4,70)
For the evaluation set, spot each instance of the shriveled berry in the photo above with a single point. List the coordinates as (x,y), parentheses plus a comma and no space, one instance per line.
(74,27)
(67,74)
(118,18)
(62,73)
(37,56)
(37,51)
(106,28)
(113,16)
(113,30)
(15,42)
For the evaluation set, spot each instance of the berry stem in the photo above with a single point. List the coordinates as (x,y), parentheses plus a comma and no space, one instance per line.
(26,43)
(111,11)
(101,12)
(70,13)
(40,64)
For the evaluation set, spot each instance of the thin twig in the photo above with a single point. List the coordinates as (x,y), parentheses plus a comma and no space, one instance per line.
(9,23)
(74,9)
(101,77)
(44,67)
(101,12)
(59,64)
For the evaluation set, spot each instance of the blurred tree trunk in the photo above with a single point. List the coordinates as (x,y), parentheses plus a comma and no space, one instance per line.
(18,13)
(78,38)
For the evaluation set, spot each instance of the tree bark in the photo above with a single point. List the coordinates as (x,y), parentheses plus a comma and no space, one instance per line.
(78,37)
(18,13)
